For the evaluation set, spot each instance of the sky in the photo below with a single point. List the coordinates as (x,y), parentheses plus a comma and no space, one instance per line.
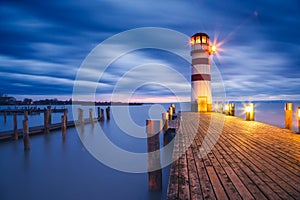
(44,43)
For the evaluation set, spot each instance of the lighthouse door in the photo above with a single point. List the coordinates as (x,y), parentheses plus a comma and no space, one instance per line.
(202,104)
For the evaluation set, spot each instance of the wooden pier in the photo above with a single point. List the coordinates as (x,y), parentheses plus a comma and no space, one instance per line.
(48,126)
(250,160)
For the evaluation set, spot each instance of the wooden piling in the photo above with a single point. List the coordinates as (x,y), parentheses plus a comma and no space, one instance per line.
(46,122)
(91,114)
(232,109)
(50,114)
(66,115)
(16,135)
(108,113)
(26,115)
(154,167)
(26,138)
(170,113)
(63,126)
(165,118)
(173,108)
(99,113)
(289,116)
(102,115)
(80,116)
(4,117)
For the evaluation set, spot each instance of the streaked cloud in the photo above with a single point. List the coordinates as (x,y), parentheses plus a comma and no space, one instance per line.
(44,43)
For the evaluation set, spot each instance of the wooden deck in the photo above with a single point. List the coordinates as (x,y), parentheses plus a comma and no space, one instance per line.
(250,160)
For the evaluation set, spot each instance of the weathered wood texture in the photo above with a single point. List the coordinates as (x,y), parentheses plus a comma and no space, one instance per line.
(250,160)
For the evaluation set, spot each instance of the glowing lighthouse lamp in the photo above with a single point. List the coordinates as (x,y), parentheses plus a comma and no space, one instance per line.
(201,49)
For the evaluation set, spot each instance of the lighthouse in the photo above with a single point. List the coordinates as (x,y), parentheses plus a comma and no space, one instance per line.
(201,97)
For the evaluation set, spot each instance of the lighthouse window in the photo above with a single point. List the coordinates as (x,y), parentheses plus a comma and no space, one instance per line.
(198,39)
(204,40)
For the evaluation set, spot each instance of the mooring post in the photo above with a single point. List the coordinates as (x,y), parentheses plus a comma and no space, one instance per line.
(165,118)
(153,129)
(4,116)
(16,135)
(289,116)
(170,113)
(63,126)
(46,124)
(26,138)
(91,113)
(66,115)
(232,109)
(102,115)
(49,113)
(81,116)
(108,113)
(173,108)
(99,113)
(26,115)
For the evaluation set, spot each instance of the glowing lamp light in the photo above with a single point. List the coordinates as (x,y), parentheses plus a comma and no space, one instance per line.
(213,48)
(227,107)
(248,109)
(298,112)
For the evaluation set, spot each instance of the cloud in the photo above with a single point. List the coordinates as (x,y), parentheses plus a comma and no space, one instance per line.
(44,43)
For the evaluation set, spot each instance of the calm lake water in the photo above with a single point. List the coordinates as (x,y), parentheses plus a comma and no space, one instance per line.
(64,169)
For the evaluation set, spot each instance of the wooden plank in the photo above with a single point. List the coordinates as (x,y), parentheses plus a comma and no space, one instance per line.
(249,160)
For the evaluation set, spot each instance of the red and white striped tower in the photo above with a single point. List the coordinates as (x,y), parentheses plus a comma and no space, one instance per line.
(201,99)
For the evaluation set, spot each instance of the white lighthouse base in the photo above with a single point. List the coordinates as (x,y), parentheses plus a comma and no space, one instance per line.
(201,106)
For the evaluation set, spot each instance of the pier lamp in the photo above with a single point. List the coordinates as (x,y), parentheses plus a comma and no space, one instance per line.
(227,109)
(250,112)
(289,116)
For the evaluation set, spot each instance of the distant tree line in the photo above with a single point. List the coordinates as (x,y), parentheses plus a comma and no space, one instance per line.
(7,100)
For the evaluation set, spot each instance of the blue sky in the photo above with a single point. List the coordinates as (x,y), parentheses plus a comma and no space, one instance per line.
(43,44)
